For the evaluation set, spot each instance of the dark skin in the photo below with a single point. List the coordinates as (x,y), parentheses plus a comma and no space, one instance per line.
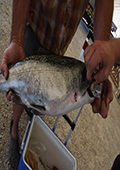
(96,58)
(102,33)
(101,57)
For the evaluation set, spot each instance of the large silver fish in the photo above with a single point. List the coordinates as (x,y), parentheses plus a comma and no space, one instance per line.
(50,84)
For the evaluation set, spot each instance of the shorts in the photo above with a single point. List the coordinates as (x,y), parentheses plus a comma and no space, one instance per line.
(32,46)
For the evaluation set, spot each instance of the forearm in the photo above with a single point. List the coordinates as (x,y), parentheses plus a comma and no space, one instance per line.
(103,11)
(115,46)
(20,12)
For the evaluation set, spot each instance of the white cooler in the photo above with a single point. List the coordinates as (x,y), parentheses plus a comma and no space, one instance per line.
(56,152)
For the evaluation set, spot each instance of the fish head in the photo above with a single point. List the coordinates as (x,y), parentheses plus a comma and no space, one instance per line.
(71,102)
(74,99)
(84,95)
(79,99)
(87,95)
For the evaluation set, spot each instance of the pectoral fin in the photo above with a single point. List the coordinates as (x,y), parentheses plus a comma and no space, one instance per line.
(36,112)
(38,107)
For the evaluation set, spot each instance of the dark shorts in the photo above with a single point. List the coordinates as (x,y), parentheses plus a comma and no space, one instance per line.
(32,45)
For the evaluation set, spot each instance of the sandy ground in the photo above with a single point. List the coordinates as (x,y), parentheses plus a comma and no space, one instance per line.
(95,142)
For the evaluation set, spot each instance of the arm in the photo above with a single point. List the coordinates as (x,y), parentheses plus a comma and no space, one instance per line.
(15,51)
(104,55)
(115,46)
(102,25)
(103,11)
(94,53)
(20,12)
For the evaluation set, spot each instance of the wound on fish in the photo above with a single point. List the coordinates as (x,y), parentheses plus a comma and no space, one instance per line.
(75,96)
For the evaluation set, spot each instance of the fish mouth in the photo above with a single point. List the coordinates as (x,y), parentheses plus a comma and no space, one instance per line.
(90,92)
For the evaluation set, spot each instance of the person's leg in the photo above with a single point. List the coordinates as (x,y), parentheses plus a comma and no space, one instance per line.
(14,154)
(17,112)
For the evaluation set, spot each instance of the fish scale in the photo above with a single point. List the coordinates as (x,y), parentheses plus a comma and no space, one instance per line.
(49,84)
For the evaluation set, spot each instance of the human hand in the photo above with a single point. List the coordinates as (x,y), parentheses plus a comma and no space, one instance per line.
(12,54)
(99,59)
(101,105)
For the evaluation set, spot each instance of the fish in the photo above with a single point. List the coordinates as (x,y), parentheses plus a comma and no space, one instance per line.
(50,84)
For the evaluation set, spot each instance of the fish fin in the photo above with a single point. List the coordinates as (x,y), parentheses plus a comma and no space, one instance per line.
(85,85)
(31,111)
(41,51)
(38,107)
(15,98)
(36,112)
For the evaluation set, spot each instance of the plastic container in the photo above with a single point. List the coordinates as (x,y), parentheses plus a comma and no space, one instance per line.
(56,153)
